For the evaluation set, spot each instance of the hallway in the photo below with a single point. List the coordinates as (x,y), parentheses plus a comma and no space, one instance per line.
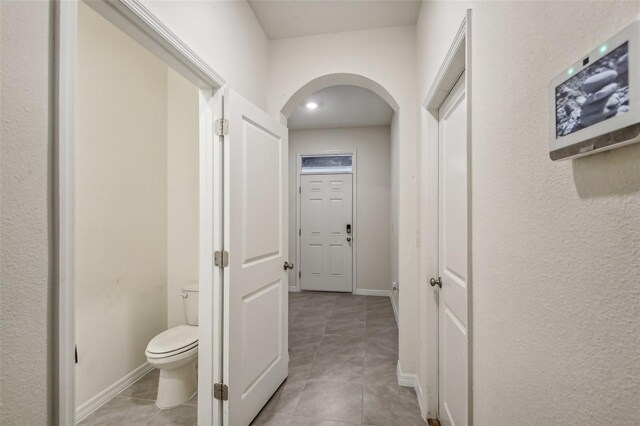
(343,352)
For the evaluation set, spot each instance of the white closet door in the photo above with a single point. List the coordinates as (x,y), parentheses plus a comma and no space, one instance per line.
(256,227)
(453,256)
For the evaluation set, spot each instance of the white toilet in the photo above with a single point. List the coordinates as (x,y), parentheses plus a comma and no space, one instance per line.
(175,353)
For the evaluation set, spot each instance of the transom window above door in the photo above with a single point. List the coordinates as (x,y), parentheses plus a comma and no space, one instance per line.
(314,164)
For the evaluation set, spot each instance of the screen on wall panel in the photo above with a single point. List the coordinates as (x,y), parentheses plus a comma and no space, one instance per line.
(596,93)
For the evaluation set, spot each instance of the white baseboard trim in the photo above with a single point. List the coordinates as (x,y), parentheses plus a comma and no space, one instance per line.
(395,308)
(367,292)
(381,293)
(106,395)
(406,379)
(411,381)
(420,396)
(293,289)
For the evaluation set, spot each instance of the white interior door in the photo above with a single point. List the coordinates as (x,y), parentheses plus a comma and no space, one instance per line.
(326,224)
(255,342)
(453,258)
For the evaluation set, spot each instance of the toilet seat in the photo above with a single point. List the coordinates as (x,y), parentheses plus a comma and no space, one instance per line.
(173,342)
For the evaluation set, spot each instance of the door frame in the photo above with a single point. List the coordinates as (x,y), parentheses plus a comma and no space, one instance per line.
(354,212)
(133,18)
(456,61)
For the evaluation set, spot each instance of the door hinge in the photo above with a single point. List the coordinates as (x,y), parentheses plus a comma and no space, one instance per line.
(300,231)
(221,259)
(299,190)
(299,274)
(222,127)
(220,391)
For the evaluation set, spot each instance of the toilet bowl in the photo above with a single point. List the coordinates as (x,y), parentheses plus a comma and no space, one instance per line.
(175,352)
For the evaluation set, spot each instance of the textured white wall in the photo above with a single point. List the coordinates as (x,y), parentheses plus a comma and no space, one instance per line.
(227,35)
(26,227)
(121,203)
(182,192)
(556,301)
(373,192)
(386,56)
(235,46)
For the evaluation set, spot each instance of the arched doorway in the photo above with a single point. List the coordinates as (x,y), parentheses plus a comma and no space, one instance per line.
(337,79)
(364,113)
(341,339)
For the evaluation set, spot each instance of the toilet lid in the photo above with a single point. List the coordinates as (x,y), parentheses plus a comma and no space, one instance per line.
(174,339)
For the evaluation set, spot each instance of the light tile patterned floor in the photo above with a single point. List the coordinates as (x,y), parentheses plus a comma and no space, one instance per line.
(342,371)
(136,405)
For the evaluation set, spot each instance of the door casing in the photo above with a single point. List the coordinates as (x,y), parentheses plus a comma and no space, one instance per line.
(133,18)
(457,61)
(354,172)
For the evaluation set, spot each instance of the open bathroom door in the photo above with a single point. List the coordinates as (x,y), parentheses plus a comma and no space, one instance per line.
(255,358)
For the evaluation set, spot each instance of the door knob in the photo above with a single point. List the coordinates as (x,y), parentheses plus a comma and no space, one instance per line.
(348,239)
(435,282)
(288,265)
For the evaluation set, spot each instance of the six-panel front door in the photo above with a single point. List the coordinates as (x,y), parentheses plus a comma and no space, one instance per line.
(255,320)
(453,258)
(326,225)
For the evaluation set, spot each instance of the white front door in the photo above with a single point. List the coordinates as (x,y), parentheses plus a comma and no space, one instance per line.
(453,258)
(326,228)
(255,340)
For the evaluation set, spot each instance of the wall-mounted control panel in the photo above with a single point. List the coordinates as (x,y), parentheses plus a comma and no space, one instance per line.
(595,102)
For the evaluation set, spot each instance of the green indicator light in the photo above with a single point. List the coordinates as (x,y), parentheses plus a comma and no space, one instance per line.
(570,71)
(603,48)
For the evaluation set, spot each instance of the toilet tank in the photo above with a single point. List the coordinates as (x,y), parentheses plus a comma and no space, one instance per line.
(190,303)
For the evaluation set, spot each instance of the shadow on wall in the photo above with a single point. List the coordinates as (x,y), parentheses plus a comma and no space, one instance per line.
(615,172)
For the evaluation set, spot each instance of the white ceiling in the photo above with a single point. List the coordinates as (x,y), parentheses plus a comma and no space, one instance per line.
(296,18)
(339,107)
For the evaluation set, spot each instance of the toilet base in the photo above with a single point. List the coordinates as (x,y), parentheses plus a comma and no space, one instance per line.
(176,386)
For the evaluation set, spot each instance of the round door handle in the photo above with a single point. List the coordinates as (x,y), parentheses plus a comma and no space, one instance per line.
(435,282)
(288,265)
(349,239)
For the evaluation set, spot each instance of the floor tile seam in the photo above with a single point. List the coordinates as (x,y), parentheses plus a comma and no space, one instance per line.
(325,366)
(327,419)
(330,380)
(339,335)
(119,396)
(337,381)
(154,416)
(337,357)
(368,328)
(297,416)
(362,416)
(377,336)
(138,399)
(346,356)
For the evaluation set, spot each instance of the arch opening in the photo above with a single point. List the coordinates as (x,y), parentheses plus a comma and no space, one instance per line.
(337,79)
(375,153)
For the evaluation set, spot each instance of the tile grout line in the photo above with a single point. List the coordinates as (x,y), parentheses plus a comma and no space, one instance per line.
(334,309)
(154,416)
